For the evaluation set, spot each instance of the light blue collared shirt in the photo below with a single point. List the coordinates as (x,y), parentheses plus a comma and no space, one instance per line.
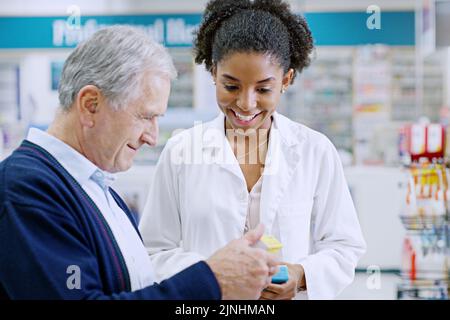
(95,183)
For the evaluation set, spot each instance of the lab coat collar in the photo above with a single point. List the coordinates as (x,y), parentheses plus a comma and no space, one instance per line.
(215,146)
(283,156)
(214,133)
(290,132)
(290,135)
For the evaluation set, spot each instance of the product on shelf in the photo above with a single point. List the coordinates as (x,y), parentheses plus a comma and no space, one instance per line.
(423,141)
(425,255)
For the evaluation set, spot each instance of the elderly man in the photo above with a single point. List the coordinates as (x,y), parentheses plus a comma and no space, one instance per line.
(64,233)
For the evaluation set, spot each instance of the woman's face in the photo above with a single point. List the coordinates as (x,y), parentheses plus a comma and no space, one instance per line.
(248,89)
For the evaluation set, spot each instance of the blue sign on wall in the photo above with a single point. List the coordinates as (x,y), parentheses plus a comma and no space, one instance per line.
(329,28)
(57,32)
(56,71)
(349,28)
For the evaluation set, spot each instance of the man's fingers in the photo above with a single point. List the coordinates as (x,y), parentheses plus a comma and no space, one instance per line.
(268,295)
(268,282)
(272,261)
(274,288)
(273,270)
(254,235)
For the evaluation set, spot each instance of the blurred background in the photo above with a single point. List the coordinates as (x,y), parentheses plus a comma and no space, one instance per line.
(378,87)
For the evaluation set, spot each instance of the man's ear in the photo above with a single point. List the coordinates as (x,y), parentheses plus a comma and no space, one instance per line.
(88,104)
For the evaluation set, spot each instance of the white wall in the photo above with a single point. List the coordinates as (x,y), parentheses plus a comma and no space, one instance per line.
(39,102)
(98,7)
(88,7)
(379,194)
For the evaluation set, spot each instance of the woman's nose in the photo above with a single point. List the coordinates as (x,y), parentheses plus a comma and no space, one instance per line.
(247,101)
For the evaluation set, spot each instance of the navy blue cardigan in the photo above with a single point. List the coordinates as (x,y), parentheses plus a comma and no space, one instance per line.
(48,224)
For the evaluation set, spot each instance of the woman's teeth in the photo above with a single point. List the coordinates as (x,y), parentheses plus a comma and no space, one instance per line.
(245,118)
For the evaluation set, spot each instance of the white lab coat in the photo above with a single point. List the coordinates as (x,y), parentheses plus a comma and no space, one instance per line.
(198,200)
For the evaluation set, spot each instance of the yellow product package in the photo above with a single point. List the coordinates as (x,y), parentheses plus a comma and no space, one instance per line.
(269,243)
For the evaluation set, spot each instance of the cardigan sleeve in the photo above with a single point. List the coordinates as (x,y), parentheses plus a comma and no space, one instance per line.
(44,255)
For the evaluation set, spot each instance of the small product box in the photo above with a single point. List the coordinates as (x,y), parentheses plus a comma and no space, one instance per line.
(282,275)
(269,243)
(272,245)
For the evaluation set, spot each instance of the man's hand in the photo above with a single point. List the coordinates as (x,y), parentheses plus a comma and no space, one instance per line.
(242,271)
(287,290)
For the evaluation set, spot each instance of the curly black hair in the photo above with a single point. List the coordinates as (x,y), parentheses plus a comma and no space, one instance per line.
(268,26)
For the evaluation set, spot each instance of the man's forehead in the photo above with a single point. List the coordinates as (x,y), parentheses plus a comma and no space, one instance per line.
(152,105)
(156,80)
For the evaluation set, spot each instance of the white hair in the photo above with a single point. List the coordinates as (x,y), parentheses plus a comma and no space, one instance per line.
(114,59)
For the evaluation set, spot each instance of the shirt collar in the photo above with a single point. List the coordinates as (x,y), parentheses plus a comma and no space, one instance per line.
(75,163)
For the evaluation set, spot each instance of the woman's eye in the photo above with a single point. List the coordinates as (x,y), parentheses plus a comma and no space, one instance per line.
(231,87)
(264,90)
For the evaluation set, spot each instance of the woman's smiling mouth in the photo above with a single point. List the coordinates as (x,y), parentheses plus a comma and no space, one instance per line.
(243,118)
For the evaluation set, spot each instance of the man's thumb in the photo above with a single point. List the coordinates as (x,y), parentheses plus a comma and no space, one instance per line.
(255,234)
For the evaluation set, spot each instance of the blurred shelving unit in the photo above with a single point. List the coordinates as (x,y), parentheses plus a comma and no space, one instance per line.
(9,92)
(433,82)
(403,84)
(360,96)
(182,88)
(371,100)
(180,113)
(10,113)
(425,255)
(321,96)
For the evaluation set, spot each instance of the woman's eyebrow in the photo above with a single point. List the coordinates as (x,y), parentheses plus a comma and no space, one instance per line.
(235,79)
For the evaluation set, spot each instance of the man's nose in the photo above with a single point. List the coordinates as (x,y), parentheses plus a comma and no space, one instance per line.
(150,135)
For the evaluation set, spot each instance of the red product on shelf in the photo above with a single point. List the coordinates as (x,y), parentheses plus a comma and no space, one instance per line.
(409,259)
(425,141)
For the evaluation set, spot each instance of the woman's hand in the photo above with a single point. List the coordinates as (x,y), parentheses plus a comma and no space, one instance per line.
(287,290)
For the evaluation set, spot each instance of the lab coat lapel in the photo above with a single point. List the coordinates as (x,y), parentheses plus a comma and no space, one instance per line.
(217,147)
(281,162)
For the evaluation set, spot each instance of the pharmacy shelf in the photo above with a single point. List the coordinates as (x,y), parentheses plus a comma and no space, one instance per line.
(182,91)
(425,255)
(321,96)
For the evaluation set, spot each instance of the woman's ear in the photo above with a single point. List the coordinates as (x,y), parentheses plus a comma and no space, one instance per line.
(214,74)
(288,77)
(287,80)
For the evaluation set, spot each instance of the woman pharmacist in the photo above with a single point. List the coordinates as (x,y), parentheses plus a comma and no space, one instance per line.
(251,164)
